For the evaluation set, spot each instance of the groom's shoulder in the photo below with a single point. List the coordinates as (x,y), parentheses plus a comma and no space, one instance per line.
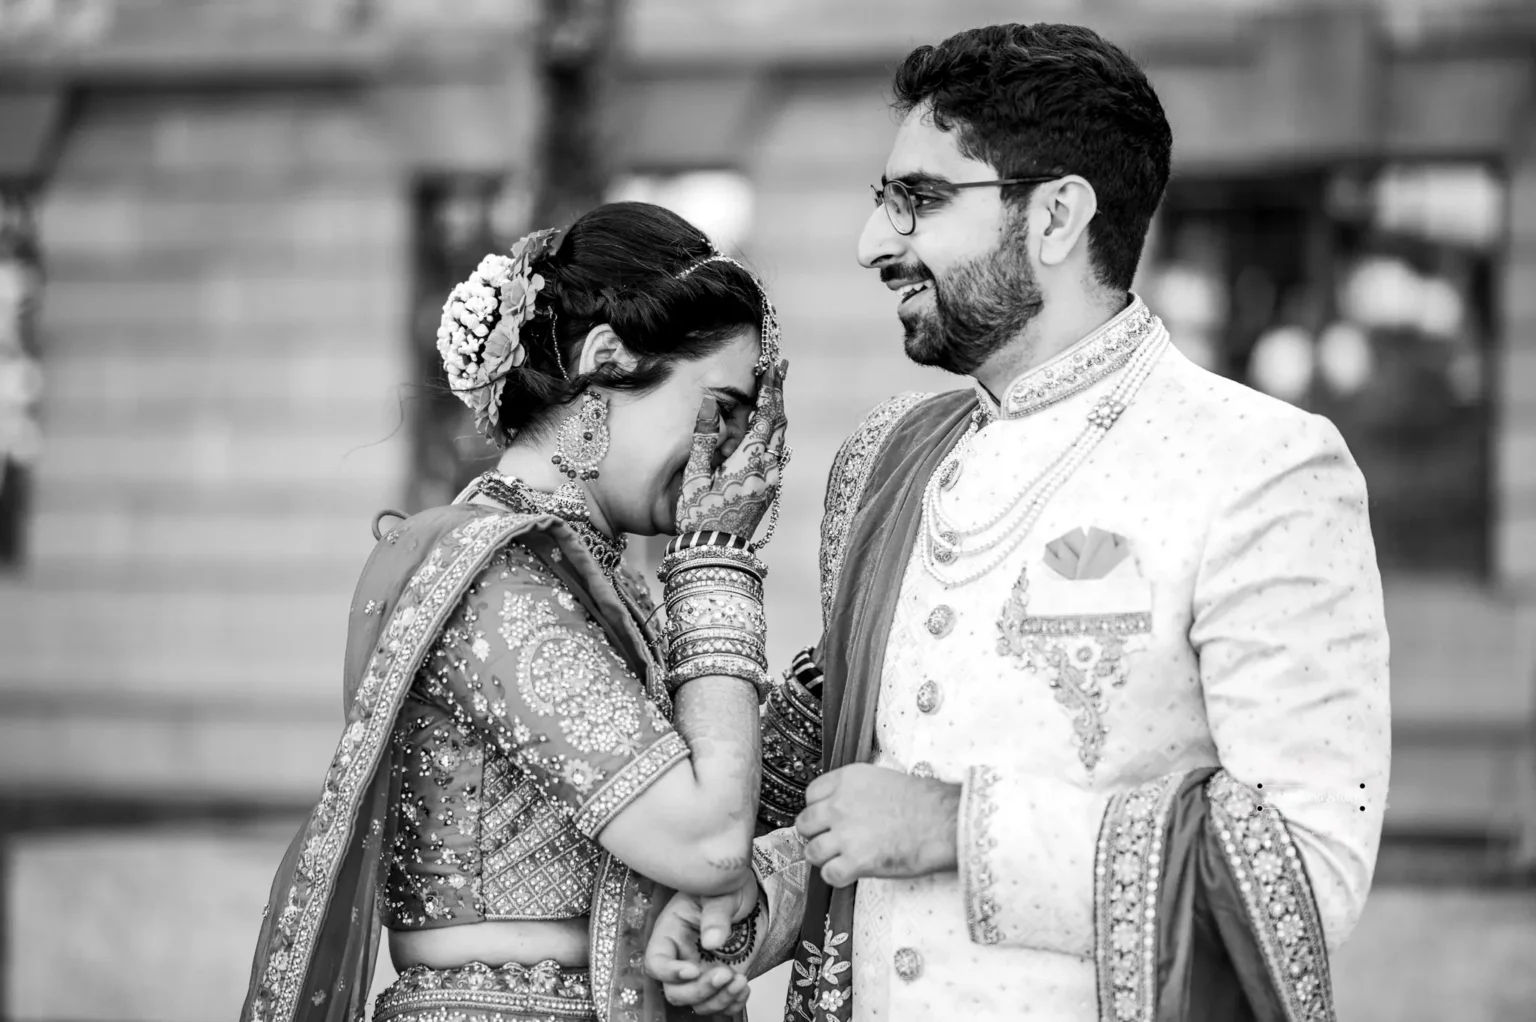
(907,411)
(910,406)
(1223,406)
(1230,422)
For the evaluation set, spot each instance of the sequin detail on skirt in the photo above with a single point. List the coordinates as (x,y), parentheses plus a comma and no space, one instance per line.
(478,993)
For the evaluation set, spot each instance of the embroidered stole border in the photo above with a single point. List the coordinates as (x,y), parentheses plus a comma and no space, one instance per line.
(1278,895)
(1127,869)
(845,487)
(1266,867)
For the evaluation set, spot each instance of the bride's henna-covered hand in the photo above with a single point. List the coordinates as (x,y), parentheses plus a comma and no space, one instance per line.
(735,498)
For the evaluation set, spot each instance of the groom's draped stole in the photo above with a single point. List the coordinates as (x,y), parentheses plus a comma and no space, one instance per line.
(1211,960)
(321,929)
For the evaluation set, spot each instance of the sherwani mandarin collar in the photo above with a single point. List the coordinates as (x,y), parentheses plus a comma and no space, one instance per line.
(1099,355)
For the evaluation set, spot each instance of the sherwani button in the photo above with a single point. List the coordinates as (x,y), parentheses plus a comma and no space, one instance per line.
(922,768)
(909,964)
(929,696)
(941,621)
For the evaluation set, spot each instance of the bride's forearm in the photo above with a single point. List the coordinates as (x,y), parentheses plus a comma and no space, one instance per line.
(691,828)
(717,717)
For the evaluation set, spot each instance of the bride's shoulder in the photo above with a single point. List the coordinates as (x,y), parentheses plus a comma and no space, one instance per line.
(478,544)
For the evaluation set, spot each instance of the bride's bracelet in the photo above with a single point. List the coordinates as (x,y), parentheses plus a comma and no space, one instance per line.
(738,947)
(707,538)
(720,665)
(715,624)
(744,561)
(718,640)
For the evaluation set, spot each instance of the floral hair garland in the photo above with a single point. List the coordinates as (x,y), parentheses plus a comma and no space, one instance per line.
(479,336)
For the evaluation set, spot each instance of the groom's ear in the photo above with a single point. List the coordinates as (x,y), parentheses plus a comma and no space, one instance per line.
(1068,204)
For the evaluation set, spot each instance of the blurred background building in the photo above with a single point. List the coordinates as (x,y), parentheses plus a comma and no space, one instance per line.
(226,229)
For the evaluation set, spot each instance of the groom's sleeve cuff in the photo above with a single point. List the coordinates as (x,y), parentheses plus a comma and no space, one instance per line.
(1026,848)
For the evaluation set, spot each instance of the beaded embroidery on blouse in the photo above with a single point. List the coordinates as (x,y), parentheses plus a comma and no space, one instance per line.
(530,735)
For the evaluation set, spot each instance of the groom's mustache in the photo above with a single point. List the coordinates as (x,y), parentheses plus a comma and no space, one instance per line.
(913,271)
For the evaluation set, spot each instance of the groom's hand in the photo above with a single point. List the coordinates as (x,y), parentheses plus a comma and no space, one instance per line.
(866,821)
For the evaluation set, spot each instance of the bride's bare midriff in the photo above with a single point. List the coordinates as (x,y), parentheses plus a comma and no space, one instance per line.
(493,943)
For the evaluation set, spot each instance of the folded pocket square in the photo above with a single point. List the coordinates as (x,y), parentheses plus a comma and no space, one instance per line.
(1078,555)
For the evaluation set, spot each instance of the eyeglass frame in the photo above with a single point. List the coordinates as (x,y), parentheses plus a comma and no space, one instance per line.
(943,187)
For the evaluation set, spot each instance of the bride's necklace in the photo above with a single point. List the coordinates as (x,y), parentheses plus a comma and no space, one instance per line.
(945,542)
(568,503)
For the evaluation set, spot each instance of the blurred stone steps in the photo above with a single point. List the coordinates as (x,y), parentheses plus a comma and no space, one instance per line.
(1463,713)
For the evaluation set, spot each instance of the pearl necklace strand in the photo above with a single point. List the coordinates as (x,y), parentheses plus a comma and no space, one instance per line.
(943,540)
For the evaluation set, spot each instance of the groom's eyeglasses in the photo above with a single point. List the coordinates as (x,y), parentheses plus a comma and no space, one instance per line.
(902,201)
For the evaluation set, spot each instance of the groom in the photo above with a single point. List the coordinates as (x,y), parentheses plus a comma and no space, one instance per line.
(1098,725)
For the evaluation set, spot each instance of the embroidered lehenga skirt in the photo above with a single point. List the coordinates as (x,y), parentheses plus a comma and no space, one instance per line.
(478,993)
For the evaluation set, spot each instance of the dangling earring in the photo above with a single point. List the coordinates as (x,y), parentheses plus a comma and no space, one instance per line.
(582,442)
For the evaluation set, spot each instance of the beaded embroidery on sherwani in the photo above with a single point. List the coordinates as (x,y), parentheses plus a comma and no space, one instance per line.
(1082,656)
(976,879)
(1093,358)
(845,487)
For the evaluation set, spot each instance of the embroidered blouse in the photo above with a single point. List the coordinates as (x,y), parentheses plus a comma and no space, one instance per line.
(523,735)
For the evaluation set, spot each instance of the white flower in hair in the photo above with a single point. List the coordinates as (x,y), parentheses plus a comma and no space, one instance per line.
(479,336)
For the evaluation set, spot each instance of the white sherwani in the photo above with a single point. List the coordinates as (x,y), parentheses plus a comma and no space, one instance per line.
(1244,630)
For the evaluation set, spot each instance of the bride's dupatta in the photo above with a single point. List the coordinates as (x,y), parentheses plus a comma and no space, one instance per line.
(879,543)
(321,929)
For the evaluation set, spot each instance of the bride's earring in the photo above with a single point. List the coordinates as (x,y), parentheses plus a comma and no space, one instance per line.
(582,442)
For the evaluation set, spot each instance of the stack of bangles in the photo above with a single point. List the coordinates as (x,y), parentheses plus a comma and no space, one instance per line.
(713,585)
(791,722)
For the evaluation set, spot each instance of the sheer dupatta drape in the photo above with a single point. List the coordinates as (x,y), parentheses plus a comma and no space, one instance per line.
(320,932)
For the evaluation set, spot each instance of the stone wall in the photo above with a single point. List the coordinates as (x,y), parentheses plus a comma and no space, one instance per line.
(224,337)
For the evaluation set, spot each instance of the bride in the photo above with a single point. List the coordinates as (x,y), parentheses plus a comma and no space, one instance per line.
(529,765)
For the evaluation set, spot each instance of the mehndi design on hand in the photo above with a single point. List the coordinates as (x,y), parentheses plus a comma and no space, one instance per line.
(735,498)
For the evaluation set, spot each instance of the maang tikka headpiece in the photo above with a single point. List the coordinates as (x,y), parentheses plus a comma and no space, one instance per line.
(770,350)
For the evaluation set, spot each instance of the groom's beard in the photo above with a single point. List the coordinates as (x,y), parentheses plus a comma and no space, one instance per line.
(978,308)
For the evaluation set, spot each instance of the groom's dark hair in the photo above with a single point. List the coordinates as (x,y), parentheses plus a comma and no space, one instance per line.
(1053,99)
